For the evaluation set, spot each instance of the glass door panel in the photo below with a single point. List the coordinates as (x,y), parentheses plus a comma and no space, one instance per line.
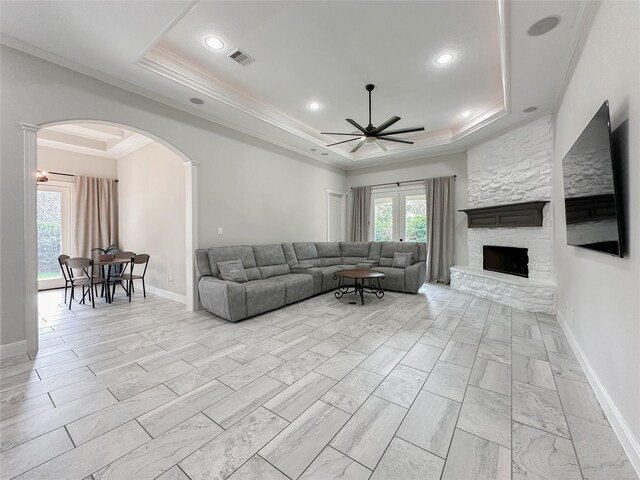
(383,219)
(415,218)
(53,217)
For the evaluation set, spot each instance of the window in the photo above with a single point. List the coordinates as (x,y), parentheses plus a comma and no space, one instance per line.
(399,214)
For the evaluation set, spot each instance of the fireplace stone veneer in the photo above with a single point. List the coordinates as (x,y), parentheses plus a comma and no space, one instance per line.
(510,169)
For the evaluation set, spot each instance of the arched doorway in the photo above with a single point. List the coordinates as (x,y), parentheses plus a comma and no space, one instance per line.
(30,138)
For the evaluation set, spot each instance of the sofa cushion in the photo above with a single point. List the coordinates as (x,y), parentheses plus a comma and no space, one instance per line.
(232,271)
(274,270)
(374,250)
(402,260)
(328,282)
(263,296)
(393,280)
(354,249)
(268,255)
(289,254)
(241,252)
(306,252)
(390,248)
(328,249)
(353,260)
(329,261)
(202,262)
(296,286)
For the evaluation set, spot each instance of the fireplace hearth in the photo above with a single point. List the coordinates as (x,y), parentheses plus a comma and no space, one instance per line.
(510,260)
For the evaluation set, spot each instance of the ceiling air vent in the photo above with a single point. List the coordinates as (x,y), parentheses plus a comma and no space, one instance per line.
(241,57)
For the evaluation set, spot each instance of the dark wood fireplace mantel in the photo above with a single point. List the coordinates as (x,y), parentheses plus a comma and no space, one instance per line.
(525,214)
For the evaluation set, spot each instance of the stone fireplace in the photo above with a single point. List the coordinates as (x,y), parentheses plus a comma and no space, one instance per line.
(508,170)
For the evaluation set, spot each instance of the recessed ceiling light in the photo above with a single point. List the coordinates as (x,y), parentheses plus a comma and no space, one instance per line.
(313,149)
(444,58)
(530,109)
(325,154)
(313,106)
(197,101)
(214,42)
(465,114)
(543,26)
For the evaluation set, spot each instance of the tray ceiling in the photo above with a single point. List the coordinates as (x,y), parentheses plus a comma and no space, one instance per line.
(322,52)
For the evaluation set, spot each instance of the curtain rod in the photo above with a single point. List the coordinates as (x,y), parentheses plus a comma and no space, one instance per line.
(65,174)
(398,183)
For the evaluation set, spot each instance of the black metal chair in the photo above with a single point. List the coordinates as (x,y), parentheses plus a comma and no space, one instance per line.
(140,259)
(80,273)
(121,271)
(61,260)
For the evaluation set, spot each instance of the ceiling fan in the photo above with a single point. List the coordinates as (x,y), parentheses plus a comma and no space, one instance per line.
(372,134)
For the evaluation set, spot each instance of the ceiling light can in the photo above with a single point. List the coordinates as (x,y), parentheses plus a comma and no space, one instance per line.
(313,106)
(196,101)
(444,58)
(465,114)
(214,43)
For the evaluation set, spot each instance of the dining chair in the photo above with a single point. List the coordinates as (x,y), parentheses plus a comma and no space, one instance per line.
(80,271)
(121,270)
(61,260)
(140,259)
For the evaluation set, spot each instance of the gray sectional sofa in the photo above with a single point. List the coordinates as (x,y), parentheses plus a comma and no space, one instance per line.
(282,274)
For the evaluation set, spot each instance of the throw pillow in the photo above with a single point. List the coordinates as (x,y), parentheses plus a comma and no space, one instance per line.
(401,260)
(232,271)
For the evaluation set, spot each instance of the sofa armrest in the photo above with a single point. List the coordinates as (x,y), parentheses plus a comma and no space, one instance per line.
(223,298)
(367,264)
(301,267)
(414,276)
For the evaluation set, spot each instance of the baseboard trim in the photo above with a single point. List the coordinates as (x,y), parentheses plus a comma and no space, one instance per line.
(620,427)
(13,349)
(176,297)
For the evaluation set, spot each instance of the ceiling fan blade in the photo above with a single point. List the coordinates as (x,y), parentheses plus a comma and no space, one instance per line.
(386,125)
(357,146)
(333,133)
(396,140)
(344,141)
(355,124)
(402,130)
(380,144)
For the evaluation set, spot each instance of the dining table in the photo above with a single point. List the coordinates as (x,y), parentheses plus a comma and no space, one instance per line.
(108,264)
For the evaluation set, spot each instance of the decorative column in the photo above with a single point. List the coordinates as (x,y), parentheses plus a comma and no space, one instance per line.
(191,219)
(30,162)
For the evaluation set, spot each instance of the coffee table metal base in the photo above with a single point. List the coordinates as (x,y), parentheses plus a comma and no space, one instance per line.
(359,288)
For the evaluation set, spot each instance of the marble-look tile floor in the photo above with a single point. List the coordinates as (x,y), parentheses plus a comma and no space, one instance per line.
(438,385)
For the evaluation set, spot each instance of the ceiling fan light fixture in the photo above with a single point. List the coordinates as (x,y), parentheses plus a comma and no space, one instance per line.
(444,58)
(214,43)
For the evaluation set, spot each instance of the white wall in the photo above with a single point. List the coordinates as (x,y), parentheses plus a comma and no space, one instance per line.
(151,213)
(258,192)
(54,160)
(599,295)
(440,166)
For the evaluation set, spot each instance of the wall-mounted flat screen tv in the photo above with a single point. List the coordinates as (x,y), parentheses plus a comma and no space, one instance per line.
(591,189)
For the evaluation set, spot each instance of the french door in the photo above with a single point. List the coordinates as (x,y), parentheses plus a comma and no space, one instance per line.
(54,217)
(399,215)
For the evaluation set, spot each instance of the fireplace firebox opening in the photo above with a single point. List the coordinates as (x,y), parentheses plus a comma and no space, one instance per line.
(510,260)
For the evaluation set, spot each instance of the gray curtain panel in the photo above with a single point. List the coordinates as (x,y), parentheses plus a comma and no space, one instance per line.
(361,212)
(96,214)
(440,217)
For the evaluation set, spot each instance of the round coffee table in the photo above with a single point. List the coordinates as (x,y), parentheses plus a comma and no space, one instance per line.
(359,287)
